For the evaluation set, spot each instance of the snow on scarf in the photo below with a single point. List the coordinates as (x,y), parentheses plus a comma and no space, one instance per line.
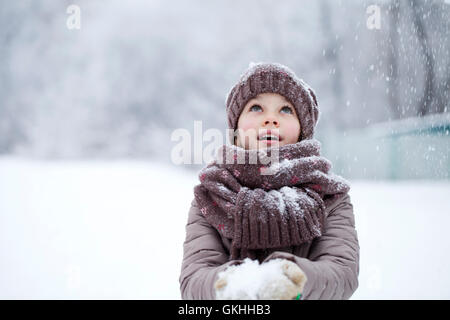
(268,198)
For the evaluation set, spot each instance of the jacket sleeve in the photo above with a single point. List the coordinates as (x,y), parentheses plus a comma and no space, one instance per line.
(332,266)
(204,256)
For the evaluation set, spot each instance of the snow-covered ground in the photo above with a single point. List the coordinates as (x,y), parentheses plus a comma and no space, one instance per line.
(115,230)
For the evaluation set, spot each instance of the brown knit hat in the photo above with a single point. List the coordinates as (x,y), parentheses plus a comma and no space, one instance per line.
(275,78)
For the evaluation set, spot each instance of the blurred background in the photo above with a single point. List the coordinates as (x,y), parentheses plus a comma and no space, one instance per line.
(91,92)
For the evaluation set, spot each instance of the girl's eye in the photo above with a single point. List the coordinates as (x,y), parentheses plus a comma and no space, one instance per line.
(289,110)
(255,105)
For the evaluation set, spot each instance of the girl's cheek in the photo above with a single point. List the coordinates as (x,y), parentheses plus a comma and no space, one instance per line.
(293,128)
(247,124)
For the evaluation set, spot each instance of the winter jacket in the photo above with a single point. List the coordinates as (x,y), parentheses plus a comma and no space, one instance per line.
(330,262)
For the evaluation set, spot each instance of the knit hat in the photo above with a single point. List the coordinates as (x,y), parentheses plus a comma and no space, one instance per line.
(274,78)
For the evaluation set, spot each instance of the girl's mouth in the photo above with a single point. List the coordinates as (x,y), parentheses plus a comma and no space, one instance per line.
(269,137)
(269,140)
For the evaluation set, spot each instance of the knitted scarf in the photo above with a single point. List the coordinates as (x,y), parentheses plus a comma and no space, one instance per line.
(267,198)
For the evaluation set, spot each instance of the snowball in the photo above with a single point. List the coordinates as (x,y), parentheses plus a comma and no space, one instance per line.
(245,280)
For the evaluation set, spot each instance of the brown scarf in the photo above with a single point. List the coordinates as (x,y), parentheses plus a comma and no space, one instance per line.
(269,198)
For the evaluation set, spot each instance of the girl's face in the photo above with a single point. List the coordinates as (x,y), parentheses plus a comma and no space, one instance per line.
(267,113)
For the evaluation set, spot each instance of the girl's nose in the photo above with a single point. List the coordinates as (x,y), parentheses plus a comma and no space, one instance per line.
(274,121)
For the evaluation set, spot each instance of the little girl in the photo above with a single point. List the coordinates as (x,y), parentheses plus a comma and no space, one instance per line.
(291,217)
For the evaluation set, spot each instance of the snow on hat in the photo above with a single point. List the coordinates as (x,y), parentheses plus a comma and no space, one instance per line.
(273,78)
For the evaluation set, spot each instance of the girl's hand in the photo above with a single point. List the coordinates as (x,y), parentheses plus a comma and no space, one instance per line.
(288,287)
